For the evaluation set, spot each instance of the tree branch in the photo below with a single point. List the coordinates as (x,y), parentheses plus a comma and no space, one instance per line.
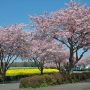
(9,64)
(62,42)
(82,54)
(78,58)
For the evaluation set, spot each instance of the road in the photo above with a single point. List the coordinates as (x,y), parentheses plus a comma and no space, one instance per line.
(74,86)
(9,86)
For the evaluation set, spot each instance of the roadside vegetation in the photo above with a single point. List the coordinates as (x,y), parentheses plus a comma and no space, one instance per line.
(52,79)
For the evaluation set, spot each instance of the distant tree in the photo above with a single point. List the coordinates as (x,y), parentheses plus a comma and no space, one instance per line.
(58,57)
(39,53)
(84,61)
(46,50)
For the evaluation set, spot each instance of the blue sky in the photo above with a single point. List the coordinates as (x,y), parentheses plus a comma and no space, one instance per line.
(18,11)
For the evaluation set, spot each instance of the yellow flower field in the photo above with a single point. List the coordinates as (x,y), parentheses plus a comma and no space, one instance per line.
(28,71)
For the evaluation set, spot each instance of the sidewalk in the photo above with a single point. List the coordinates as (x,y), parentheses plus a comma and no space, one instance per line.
(9,86)
(74,86)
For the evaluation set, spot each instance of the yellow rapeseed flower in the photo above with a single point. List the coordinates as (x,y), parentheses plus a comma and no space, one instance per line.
(28,71)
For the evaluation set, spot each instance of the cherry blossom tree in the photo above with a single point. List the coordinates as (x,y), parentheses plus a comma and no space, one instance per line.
(58,56)
(46,51)
(84,61)
(13,45)
(69,26)
(40,52)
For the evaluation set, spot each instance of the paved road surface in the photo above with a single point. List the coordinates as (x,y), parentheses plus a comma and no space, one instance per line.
(75,86)
(9,86)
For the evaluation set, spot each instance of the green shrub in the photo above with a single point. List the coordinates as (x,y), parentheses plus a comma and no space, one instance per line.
(52,79)
(76,77)
(37,81)
(24,82)
(58,77)
(1,79)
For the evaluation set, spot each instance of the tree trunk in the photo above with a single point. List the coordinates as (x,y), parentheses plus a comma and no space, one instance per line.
(41,70)
(59,67)
(0,71)
(71,61)
(4,75)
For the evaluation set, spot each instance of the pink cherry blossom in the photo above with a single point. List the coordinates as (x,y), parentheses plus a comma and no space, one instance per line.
(13,45)
(69,26)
